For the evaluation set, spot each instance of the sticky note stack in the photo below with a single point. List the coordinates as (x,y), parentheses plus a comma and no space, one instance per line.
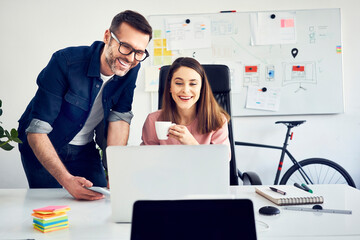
(50,218)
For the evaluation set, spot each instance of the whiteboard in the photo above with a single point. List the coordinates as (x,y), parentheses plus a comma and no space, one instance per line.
(285,62)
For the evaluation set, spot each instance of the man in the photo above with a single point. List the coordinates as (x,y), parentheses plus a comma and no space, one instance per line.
(79,89)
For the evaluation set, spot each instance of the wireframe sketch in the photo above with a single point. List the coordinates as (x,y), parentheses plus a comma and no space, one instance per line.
(270,73)
(299,73)
(251,75)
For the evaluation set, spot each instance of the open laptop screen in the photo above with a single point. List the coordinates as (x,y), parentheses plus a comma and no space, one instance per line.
(193,219)
(164,172)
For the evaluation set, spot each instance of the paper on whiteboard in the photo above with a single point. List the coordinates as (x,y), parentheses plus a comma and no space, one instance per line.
(152,79)
(269,28)
(263,100)
(182,33)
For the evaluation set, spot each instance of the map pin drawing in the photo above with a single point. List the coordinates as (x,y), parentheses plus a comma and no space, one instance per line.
(294,52)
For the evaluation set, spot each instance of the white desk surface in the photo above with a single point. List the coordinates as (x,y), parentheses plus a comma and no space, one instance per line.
(92,220)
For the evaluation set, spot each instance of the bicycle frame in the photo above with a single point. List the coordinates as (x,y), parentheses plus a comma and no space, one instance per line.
(283,152)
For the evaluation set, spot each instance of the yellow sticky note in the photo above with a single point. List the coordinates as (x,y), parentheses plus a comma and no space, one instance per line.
(157,33)
(164,42)
(157,43)
(158,61)
(167,52)
(157,51)
(167,60)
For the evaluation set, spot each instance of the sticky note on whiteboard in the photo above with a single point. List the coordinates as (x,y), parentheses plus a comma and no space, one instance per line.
(298,68)
(249,69)
(152,79)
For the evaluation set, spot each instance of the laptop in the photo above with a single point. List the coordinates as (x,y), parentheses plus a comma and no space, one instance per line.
(224,219)
(165,172)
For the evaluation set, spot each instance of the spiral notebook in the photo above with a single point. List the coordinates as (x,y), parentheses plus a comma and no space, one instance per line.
(294,195)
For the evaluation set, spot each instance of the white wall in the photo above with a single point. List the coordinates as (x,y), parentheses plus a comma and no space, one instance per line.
(32,30)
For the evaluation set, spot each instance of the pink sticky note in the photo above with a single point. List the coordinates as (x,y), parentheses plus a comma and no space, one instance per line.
(51,209)
(287,23)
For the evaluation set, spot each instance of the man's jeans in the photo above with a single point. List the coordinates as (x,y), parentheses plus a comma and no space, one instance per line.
(82,161)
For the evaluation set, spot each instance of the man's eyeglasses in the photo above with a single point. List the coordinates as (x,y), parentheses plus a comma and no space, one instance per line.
(126,49)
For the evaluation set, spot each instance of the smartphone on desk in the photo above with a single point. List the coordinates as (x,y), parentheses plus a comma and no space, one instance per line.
(100,190)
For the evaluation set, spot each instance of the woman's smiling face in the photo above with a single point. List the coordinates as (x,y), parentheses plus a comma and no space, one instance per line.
(185,88)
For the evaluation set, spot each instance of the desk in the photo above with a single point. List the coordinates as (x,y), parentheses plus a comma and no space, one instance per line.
(92,220)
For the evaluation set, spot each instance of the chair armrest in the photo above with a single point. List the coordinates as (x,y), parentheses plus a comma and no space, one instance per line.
(251,178)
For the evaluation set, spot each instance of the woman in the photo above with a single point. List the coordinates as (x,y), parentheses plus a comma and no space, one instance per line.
(189,102)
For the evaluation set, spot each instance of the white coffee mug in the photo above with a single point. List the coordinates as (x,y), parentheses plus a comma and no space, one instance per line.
(162,129)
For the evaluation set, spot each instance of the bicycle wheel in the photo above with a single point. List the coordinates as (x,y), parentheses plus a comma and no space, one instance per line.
(318,171)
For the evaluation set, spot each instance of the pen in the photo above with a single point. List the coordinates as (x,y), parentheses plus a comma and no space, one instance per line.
(306,188)
(278,191)
(298,186)
(229,11)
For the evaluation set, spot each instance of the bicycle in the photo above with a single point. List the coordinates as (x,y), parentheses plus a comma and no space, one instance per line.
(309,171)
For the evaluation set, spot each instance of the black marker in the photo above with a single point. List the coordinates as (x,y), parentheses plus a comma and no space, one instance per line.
(278,191)
(298,186)
(306,188)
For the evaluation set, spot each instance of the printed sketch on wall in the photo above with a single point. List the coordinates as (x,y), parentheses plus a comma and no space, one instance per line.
(300,73)
(251,75)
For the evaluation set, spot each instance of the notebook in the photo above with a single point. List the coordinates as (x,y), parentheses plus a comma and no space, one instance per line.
(294,195)
(163,172)
(223,219)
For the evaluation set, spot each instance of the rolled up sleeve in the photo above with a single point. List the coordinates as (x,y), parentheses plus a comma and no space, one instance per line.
(38,126)
(120,116)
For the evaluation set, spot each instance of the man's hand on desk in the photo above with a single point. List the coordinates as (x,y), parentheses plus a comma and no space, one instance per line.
(76,187)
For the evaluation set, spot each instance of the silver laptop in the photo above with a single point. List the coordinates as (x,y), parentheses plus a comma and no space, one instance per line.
(164,172)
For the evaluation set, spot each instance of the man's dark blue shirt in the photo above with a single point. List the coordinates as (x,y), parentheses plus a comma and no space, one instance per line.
(68,86)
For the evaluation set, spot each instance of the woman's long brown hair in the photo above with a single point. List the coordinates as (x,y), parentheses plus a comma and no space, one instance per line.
(210,115)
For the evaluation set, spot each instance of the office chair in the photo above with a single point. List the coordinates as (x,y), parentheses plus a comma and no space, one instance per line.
(219,79)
